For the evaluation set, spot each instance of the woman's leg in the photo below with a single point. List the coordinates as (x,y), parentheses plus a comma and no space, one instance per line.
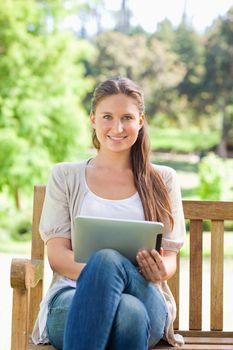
(131,326)
(57,314)
(100,286)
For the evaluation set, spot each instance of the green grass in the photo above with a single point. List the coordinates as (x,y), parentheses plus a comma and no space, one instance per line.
(11,246)
(182,140)
(189,193)
(177,165)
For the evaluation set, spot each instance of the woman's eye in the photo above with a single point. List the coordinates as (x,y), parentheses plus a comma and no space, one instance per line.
(127,117)
(106,116)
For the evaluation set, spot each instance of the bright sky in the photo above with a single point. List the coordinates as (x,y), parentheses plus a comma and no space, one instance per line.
(200,13)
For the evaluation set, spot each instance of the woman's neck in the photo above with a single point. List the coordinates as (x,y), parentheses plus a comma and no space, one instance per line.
(112,161)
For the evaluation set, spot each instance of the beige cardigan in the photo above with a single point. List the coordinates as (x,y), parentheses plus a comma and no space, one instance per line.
(64,196)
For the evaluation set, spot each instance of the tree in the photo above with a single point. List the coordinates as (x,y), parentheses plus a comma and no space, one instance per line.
(165,33)
(42,85)
(189,46)
(217,83)
(147,61)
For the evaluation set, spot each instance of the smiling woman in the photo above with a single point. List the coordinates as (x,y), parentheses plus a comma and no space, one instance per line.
(126,306)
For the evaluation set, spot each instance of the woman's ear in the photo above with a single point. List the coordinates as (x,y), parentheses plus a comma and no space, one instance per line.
(92,119)
(141,120)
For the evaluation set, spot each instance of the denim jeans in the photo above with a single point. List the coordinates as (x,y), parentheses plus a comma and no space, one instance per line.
(112,308)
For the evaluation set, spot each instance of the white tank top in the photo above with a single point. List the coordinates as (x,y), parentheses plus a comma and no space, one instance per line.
(129,208)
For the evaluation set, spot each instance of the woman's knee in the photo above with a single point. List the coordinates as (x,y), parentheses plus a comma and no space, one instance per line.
(106,258)
(132,318)
(107,254)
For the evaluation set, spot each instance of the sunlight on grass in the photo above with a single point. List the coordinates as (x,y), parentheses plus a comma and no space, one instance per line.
(180,140)
(9,245)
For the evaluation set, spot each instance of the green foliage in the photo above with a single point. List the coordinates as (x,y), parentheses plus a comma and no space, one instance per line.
(42,85)
(189,47)
(165,32)
(217,81)
(22,231)
(20,164)
(213,178)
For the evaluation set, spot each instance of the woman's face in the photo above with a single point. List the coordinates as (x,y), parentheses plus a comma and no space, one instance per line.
(117,121)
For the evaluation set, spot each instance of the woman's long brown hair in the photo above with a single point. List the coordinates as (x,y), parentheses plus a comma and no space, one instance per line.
(148,182)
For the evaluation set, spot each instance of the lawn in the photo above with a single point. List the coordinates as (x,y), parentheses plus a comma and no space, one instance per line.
(180,140)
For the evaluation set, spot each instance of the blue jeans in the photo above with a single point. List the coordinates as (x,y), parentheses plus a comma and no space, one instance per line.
(112,308)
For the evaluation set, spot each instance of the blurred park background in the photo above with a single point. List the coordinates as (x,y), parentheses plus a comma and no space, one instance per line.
(52,55)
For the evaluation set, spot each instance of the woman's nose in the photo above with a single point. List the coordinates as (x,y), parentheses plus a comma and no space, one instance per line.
(118,126)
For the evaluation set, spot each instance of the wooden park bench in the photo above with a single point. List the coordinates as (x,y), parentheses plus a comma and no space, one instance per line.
(27,280)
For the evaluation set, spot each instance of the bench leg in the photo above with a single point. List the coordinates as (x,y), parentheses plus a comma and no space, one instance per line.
(19,335)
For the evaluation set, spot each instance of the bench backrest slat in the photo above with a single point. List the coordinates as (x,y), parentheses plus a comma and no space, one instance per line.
(195,284)
(37,247)
(175,288)
(37,252)
(216,282)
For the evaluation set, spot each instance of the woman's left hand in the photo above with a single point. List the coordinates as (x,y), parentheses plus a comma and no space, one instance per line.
(152,265)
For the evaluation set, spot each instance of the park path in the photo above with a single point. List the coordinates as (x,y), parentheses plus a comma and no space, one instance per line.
(6,295)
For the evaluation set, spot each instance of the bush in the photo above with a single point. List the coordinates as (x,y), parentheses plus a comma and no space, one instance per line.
(213,179)
(22,230)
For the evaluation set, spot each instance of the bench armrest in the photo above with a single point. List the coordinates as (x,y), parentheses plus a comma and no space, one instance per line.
(26,273)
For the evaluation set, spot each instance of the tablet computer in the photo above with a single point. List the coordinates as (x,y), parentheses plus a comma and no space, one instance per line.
(125,236)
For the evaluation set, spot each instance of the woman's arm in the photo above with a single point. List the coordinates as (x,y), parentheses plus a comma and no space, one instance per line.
(156,267)
(61,258)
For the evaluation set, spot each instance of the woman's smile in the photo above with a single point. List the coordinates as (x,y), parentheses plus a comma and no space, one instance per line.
(117,138)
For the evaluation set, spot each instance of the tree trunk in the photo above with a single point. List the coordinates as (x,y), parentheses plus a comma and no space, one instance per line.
(222,146)
(17,201)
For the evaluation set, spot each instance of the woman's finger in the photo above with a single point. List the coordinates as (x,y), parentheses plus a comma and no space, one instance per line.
(148,261)
(159,261)
(148,266)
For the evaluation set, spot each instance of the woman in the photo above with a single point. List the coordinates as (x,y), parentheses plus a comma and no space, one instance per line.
(109,303)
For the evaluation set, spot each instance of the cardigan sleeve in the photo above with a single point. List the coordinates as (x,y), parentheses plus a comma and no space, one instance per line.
(173,239)
(55,218)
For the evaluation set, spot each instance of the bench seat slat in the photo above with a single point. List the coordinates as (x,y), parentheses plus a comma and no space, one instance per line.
(196,346)
(159,347)
(209,334)
(197,341)
(208,340)
(39,347)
